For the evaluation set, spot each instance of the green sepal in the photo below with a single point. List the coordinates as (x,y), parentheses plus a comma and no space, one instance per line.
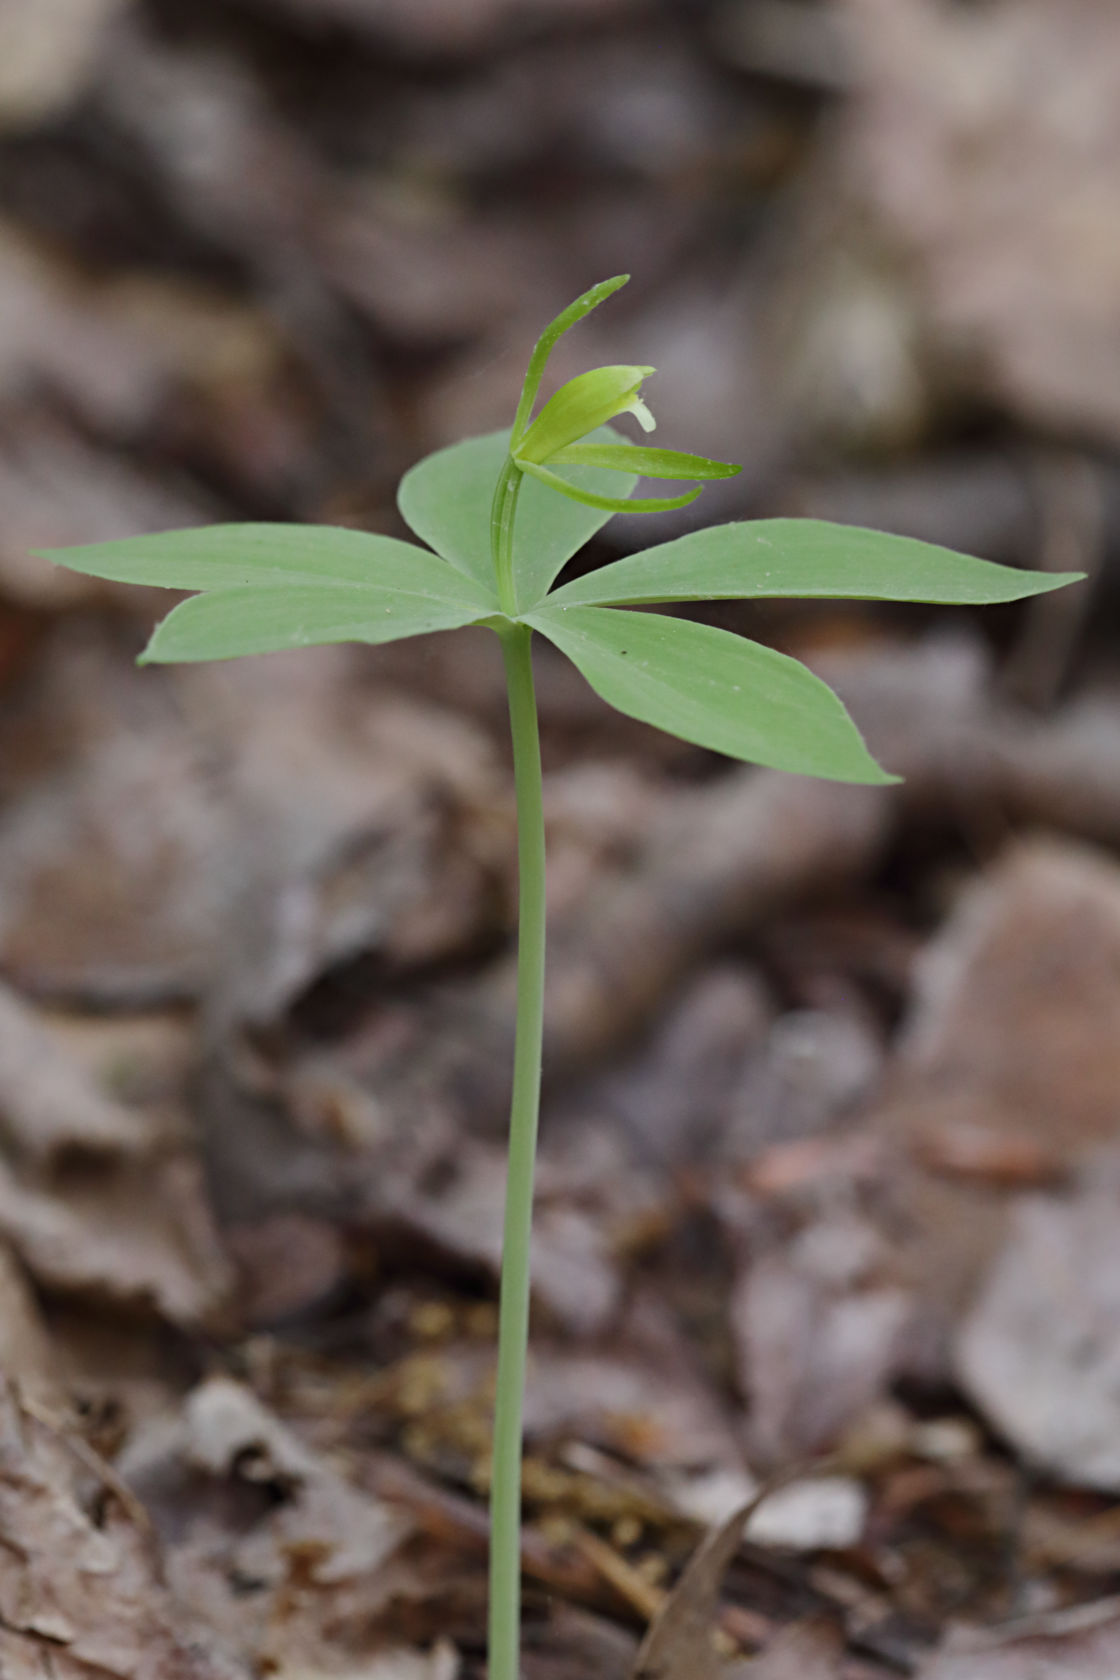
(650,463)
(609,504)
(568,318)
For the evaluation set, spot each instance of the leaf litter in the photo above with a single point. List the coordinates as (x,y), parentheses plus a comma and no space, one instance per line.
(830,1145)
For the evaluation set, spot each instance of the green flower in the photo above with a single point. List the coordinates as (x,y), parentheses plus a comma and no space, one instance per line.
(581,406)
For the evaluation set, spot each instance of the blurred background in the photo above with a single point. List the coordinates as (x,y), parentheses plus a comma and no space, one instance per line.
(832,1072)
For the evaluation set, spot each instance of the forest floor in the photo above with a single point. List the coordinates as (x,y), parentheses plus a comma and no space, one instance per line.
(830,1173)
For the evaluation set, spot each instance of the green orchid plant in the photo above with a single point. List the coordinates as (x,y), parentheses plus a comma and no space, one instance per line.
(501,515)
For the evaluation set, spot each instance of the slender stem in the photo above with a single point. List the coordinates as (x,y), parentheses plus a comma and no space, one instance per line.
(503,511)
(513,1327)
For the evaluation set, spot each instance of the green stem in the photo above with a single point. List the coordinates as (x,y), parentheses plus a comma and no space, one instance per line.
(503,511)
(513,1324)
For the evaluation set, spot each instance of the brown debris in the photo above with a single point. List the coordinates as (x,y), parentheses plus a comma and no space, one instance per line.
(1074,1645)
(1007,212)
(1038,1352)
(96,1197)
(77,1596)
(316,1549)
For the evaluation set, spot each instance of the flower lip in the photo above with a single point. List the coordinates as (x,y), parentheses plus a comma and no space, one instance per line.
(581,406)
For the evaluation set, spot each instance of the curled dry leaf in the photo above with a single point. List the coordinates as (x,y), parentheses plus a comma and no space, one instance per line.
(79,1598)
(113,878)
(97,1198)
(680,1644)
(24,1344)
(1040,1351)
(46,54)
(818,1326)
(241,1500)
(1079,1644)
(967,162)
(1008,1063)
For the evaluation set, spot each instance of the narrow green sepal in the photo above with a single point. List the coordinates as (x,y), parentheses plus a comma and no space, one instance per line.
(609,504)
(581,406)
(650,463)
(567,318)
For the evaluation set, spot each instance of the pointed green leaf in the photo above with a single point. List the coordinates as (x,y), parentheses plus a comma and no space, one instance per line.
(567,319)
(581,406)
(610,504)
(226,623)
(803,557)
(268,557)
(713,688)
(651,463)
(446,499)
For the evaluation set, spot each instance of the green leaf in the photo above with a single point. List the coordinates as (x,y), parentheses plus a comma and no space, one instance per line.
(226,623)
(803,557)
(713,688)
(542,350)
(651,463)
(610,504)
(581,406)
(268,557)
(446,499)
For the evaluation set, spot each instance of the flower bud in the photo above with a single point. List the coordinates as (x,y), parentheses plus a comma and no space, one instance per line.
(581,406)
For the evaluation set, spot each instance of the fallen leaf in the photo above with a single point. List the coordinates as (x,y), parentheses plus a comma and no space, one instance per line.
(1007,1059)
(1078,1644)
(1039,1352)
(79,1597)
(819,1326)
(680,1643)
(25,1348)
(266,1542)
(98,1198)
(1006,211)
(809,1650)
(47,54)
(114,873)
(441,1663)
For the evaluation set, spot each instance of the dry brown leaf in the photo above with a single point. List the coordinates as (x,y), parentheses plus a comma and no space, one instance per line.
(1016,1017)
(575,1275)
(113,874)
(25,1348)
(241,1500)
(680,1643)
(811,1650)
(1079,1644)
(818,1325)
(98,1198)
(79,1599)
(49,1107)
(1011,1043)
(1039,1352)
(441,1663)
(47,52)
(998,186)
